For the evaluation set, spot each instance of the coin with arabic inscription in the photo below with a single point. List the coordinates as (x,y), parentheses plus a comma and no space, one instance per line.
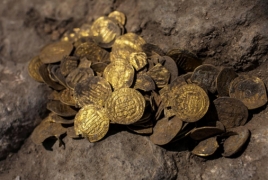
(250,90)
(94,90)
(55,52)
(33,69)
(190,103)
(125,106)
(119,74)
(92,122)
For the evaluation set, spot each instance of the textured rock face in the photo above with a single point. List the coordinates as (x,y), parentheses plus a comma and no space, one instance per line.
(222,32)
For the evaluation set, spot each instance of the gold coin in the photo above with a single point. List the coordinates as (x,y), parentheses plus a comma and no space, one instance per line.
(250,90)
(61,109)
(190,103)
(104,31)
(68,64)
(33,69)
(67,97)
(138,60)
(92,122)
(160,75)
(171,66)
(94,90)
(99,67)
(78,75)
(125,106)
(223,81)
(119,17)
(55,52)
(205,76)
(56,72)
(206,147)
(144,82)
(119,74)
(205,132)
(151,49)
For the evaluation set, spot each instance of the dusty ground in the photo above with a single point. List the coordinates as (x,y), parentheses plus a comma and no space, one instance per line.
(223,33)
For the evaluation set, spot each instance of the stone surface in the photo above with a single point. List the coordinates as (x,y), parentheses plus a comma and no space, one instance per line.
(221,32)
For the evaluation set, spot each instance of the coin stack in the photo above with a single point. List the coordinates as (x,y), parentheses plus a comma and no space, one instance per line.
(100,76)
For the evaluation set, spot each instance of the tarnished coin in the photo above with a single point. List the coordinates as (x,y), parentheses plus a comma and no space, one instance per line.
(138,60)
(57,119)
(250,90)
(185,60)
(165,96)
(190,103)
(144,82)
(45,76)
(58,75)
(94,90)
(45,130)
(151,49)
(160,75)
(54,95)
(171,66)
(68,64)
(84,63)
(61,109)
(67,97)
(33,69)
(140,130)
(119,17)
(231,112)
(119,74)
(125,106)
(175,85)
(55,52)
(206,147)
(205,132)
(51,68)
(78,75)
(99,67)
(104,31)
(92,122)
(224,78)
(205,76)
(235,143)
(187,77)
(92,52)
(165,130)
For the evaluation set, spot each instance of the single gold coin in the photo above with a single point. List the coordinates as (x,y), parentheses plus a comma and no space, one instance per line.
(104,31)
(190,103)
(55,52)
(250,90)
(125,106)
(67,97)
(206,147)
(33,69)
(119,74)
(92,122)
(61,109)
(119,17)
(94,90)
(160,75)
(205,132)
(138,60)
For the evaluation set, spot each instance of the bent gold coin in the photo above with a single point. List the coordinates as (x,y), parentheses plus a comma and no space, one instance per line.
(119,17)
(92,122)
(68,64)
(61,109)
(104,31)
(119,74)
(94,90)
(144,82)
(125,106)
(138,60)
(190,103)
(223,81)
(165,130)
(231,112)
(206,147)
(250,90)
(55,52)
(160,75)
(235,143)
(205,76)
(205,132)
(33,69)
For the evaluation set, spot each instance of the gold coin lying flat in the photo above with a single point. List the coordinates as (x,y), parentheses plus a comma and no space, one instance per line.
(125,106)
(94,90)
(206,147)
(250,90)
(119,17)
(33,69)
(55,52)
(91,122)
(104,31)
(190,103)
(119,74)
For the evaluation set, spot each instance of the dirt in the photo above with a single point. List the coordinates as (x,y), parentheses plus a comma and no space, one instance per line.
(224,33)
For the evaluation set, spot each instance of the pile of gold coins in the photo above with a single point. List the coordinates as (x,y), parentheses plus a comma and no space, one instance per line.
(101,76)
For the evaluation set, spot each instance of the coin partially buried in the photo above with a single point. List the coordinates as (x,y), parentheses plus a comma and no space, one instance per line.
(55,52)
(206,147)
(125,106)
(250,90)
(92,122)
